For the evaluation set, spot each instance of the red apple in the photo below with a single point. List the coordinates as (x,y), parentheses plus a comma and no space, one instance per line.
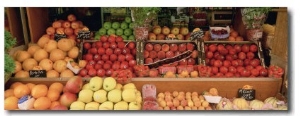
(223,69)
(170,54)
(128,57)
(113,57)
(209,54)
(191,61)
(173,47)
(98,44)
(119,39)
(242,55)
(111,38)
(161,55)
(152,54)
(160,37)
(131,45)
(263,72)
(212,47)
(71,17)
(101,72)
(105,57)
(148,60)
(121,45)
(106,66)
(97,66)
(92,72)
(121,57)
(232,69)
(165,47)
(153,73)
(245,48)
(124,65)
(126,51)
(109,72)
(56,24)
(151,36)
(87,45)
(67,98)
(88,57)
(190,46)
(132,63)
(116,66)
(218,63)
(149,47)
(237,48)
(250,55)
(97,57)
(74,85)
(66,24)
(146,54)
(109,51)
(105,45)
(182,47)
(83,72)
(113,45)
(103,38)
(183,62)
(255,62)
(74,25)
(68,31)
(60,30)
(101,51)
(253,48)
(117,51)
(157,47)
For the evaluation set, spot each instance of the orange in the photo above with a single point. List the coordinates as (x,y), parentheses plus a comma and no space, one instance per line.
(53,95)
(11,103)
(30,85)
(56,86)
(231,38)
(15,84)
(39,90)
(54,103)
(8,93)
(21,90)
(42,103)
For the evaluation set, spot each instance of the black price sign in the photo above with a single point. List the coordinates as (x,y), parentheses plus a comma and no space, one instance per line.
(83,34)
(38,73)
(57,37)
(248,94)
(197,35)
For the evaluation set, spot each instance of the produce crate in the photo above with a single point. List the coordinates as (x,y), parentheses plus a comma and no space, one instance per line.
(209,60)
(155,51)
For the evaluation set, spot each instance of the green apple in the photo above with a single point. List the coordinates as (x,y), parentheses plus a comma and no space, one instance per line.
(109,83)
(107,105)
(111,31)
(130,26)
(96,83)
(102,31)
(122,105)
(127,19)
(129,95)
(77,105)
(127,32)
(129,86)
(115,25)
(97,37)
(114,95)
(86,86)
(107,25)
(92,106)
(124,37)
(131,37)
(100,96)
(124,25)
(119,32)
(134,106)
(86,95)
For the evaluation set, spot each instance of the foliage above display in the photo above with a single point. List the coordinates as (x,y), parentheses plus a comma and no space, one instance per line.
(142,16)
(254,17)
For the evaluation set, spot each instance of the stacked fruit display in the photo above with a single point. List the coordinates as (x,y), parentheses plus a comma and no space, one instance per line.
(123,29)
(163,33)
(239,60)
(180,100)
(49,55)
(107,55)
(30,96)
(70,27)
(106,94)
(155,52)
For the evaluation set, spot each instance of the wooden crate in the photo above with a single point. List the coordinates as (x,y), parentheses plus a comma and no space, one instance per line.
(227,87)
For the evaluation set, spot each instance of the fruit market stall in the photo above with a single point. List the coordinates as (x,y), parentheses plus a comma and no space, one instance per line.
(68,66)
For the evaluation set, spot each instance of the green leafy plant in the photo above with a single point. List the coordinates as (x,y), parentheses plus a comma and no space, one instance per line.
(9,63)
(254,17)
(142,16)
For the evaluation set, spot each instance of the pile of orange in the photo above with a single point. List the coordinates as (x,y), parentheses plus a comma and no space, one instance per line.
(45,97)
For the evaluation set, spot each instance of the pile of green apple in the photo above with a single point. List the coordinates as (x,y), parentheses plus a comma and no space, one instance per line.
(123,29)
(106,94)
